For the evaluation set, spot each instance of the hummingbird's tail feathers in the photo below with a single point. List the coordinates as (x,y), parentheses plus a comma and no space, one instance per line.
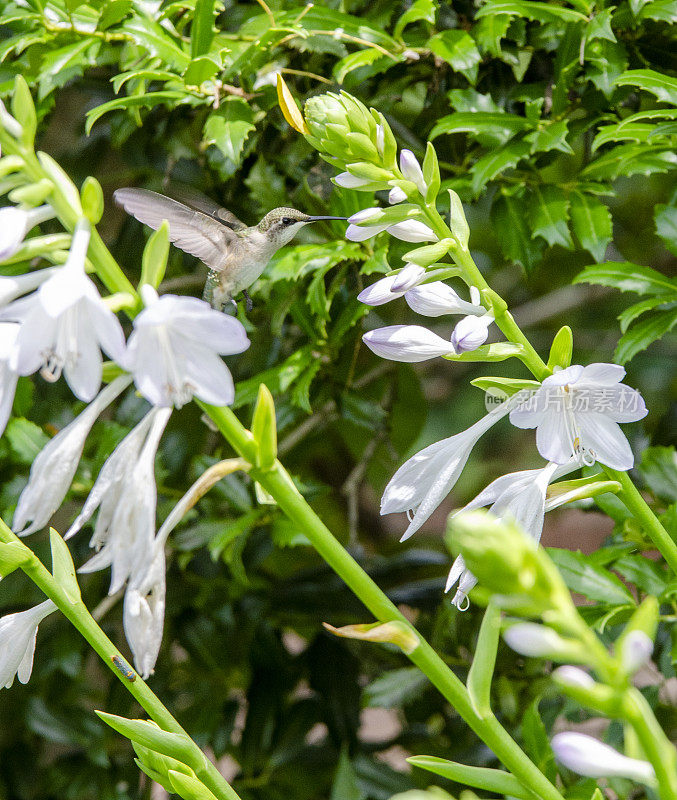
(192,231)
(211,283)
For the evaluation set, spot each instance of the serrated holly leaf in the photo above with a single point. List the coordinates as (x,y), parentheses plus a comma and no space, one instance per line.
(663,87)
(509,215)
(589,579)
(549,215)
(489,31)
(543,12)
(493,164)
(420,10)
(630,314)
(666,226)
(599,26)
(591,222)
(551,137)
(459,50)
(489,127)
(229,127)
(641,335)
(627,277)
(658,469)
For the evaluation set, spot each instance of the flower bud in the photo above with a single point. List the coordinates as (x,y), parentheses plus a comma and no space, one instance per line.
(407,343)
(471,332)
(588,756)
(573,676)
(636,649)
(396,195)
(395,632)
(412,171)
(539,641)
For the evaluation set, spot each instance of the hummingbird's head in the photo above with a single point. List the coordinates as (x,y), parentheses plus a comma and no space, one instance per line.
(282,224)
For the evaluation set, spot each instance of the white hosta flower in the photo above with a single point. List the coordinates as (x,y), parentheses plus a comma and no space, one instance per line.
(125,493)
(15,224)
(520,496)
(409,343)
(144,611)
(569,675)
(588,756)
(412,171)
(65,324)
(423,481)
(636,650)
(8,378)
(393,286)
(535,641)
(576,411)
(348,181)
(410,230)
(54,467)
(396,195)
(14,286)
(18,633)
(436,299)
(175,348)
(471,332)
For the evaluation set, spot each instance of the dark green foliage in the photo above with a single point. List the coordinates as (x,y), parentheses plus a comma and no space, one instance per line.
(556,124)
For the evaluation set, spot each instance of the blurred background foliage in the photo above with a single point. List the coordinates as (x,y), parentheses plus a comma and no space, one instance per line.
(556,124)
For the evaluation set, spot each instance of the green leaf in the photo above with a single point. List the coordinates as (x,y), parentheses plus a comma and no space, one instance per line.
(152,39)
(151,99)
(491,780)
(459,50)
(458,224)
(509,218)
(201,69)
(630,314)
(607,61)
(346,785)
(504,386)
(114,11)
(549,215)
(264,428)
(663,87)
(588,579)
(202,29)
(361,58)
(658,469)
(591,222)
(542,12)
(155,254)
(552,136)
(493,164)
(630,159)
(12,556)
(229,127)
(599,26)
(188,786)
(63,568)
(420,10)
(495,127)
(628,132)
(25,439)
(395,688)
(644,333)
(627,277)
(149,735)
(642,573)
(561,349)
(484,660)
(489,31)
(666,226)
(537,741)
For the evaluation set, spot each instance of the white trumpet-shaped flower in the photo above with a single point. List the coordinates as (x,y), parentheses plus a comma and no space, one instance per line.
(588,756)
(393,286)
(18,633)
(412,171)
(409,343)
(423,481)
(65,324)
(13,286)
(409,230)
(175,348)
(144,610)
(54,466)
(519,496)
(126,496)
(8,377)
(15,224)
(576,411)
(436,299)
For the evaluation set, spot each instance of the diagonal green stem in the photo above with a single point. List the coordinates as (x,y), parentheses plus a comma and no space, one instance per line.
(82,620)
(277,482)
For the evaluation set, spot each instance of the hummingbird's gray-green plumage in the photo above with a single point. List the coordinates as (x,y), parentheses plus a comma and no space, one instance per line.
(235,254)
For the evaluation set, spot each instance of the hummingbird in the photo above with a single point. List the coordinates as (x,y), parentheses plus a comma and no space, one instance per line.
(234,253)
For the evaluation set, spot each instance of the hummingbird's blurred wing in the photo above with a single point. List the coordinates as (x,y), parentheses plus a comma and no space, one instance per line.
(200,202)
(193,231)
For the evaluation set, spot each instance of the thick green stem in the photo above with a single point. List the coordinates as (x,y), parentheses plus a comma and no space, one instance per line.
(658,748)
(637,505)
(277,482)
(78,615)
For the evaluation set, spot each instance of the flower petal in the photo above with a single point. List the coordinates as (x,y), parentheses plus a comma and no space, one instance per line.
(554,437)
(602,435)
(408,343)
(601,374)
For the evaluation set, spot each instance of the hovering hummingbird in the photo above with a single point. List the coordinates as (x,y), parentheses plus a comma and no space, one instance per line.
(234,253)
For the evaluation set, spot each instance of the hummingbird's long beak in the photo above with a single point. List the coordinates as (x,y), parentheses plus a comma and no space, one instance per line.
(316,219)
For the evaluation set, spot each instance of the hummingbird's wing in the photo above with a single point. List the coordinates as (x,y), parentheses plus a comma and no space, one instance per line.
(190,230)
(200,202)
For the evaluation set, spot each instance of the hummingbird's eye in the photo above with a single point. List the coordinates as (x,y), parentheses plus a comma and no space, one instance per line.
(288,221)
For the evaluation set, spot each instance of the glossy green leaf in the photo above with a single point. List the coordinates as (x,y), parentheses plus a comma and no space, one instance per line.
(591,223)
(459,50)
(171,97)
(509,216)
(663,87)
(627,277)
(491,780)
(658,469)
(229,127)
(202,29)
(543,12)
(666,226)
(549,216)
(499,127)
(63,568)
(593,581)
(550,137)
(420,10)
